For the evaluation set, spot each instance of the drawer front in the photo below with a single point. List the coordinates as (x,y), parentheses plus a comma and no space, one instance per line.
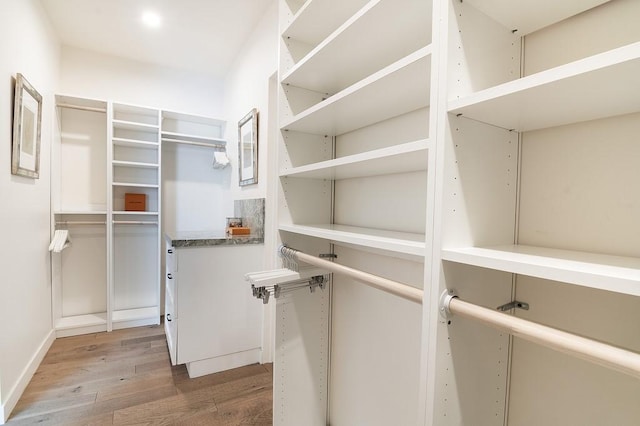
(170,281)
(171,327)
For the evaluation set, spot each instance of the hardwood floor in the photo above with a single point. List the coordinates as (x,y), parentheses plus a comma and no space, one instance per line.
(125,378)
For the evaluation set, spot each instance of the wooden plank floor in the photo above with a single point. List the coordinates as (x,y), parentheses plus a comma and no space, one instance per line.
(125,378)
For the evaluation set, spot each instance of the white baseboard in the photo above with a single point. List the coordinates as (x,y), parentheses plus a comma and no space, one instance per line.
(7,406)
(224,362)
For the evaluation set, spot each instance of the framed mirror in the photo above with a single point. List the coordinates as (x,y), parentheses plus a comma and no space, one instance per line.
(248,148)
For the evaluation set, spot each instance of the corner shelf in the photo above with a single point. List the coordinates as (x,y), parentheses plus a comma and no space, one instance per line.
(404,158)
(604,272)
(558,96)
(362,103)
(399,242)
(346,56)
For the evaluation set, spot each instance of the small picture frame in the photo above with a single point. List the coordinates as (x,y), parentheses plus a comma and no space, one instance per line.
(248,149)
(27,124)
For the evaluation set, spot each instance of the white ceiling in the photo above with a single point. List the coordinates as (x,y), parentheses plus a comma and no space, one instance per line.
(200,35)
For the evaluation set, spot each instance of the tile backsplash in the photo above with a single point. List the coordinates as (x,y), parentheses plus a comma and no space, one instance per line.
(252,214)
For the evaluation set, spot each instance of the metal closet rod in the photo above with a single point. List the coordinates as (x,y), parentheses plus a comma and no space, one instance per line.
(603,354)
(186,142)
(609,356)
(398,289)
(80,222)
(81,107)
(135,222)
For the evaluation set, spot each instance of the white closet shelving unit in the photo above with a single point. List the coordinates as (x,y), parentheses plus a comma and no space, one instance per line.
(536,128)
(353,177)
(79,272)
(135,158)
(507,131)
(109,277)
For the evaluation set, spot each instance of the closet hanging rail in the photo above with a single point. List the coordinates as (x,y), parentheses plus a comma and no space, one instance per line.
(81,107)
(182,141)
(81,222)
(135,222)
(398,289)
(580,347)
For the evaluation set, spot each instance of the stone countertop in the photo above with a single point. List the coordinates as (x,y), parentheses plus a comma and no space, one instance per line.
(209,238)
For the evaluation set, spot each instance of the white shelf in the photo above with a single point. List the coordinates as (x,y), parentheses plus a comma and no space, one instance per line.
(135,314)
(316,19)
(400,242)
(132,125)
(399,88)
(134,143)
(527,16)
(612,273)
(78,321)
(136,185)
(135,164)
(404,158)
(361,46)
(599,86)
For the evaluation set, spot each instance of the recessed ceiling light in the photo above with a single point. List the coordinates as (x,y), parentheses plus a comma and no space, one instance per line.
(151,19)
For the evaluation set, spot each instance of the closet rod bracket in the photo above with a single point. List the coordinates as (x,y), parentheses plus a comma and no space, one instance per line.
(445,300)
(513,305)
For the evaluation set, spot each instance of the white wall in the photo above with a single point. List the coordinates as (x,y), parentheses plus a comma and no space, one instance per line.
(90,74)
(250,84)
(247,87)
(29,46)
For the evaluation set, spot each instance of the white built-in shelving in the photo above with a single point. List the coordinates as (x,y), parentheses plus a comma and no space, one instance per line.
(525,176)
(538,202)
(135,159)
(354,149)
(109,277)
(79,272)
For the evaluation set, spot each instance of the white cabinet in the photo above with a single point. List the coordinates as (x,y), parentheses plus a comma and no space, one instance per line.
(212,320)
(483,146)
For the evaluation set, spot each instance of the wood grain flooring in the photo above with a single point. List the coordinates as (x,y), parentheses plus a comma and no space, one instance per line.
(125,378)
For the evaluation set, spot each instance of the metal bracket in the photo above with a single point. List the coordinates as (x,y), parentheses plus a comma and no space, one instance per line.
(327,256)
(513,305)
(445,299)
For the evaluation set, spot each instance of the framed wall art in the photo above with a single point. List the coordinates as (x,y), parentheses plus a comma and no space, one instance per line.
(248,148)
(27,123)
